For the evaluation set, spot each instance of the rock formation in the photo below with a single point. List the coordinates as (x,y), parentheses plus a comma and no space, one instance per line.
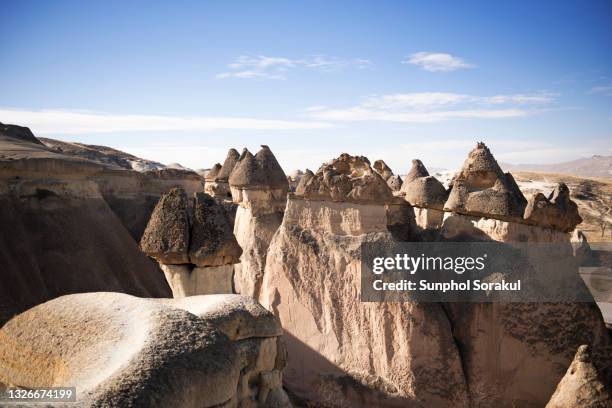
(259,187)
(426,194)
(582,386)
(65,227)
(344,352)
(119,350)
(217,180)
(294,179)
(393,181)
(482,189)
(194,245)
(210,185)
(557,211)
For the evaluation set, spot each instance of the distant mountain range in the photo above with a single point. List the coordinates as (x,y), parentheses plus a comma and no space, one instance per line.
(595,166)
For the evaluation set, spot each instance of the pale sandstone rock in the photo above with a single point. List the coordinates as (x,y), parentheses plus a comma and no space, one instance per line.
(344,352)
(259,187)
(515,353)
(187,280)
(417,170)
(118,350)
(582,385)
(210,184)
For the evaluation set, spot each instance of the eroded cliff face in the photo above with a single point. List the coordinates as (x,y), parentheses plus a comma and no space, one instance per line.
(344,352)
(59,234)
(348,353)
(259,187)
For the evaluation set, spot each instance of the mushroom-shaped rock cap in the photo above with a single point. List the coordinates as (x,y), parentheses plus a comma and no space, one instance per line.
(425,192)
(228,165)
(422,190)
(347,178)
(259,171)
(481,188)
(395,182)
(381,168)
(557,211)
(480,169)
(213,173)
(212,239)
(503,200)
(166,237)
(582,386)
(418,170)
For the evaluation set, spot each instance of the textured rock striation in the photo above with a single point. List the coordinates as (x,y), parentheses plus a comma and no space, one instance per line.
(194,244)
(582,386)
(344,352)
(119,350)
(426,194)
(393,181)
(556,211)
(68,225)
(259,188)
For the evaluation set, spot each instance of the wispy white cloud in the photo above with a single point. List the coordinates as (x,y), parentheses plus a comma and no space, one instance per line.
(85,122)
(264,67)
(437,61)
(427,107)
(602,90)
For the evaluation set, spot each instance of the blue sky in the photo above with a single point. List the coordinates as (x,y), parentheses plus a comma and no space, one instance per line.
(184,81)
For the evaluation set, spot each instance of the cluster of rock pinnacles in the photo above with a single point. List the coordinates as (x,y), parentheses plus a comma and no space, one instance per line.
(290,243)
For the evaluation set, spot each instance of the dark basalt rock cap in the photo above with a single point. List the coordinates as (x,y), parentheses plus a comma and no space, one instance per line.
(425,192)
(212,238)
(346,179)
(166,237)
(259,171)
(228,165)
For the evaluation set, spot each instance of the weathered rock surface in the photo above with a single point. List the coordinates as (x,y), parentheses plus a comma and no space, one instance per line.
(557,211)
(166,237)
(347,179)
(482,189)
(426,194)
(344,352)
(217,184)
(381,168)
(259,187)
(212,240)
(194,245)
(61,232)
(119,350)
(582,386)
(294,179)
(395,182)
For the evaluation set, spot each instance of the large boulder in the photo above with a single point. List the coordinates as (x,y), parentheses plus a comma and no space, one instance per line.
(119,350)
(426,194)
(582,386)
